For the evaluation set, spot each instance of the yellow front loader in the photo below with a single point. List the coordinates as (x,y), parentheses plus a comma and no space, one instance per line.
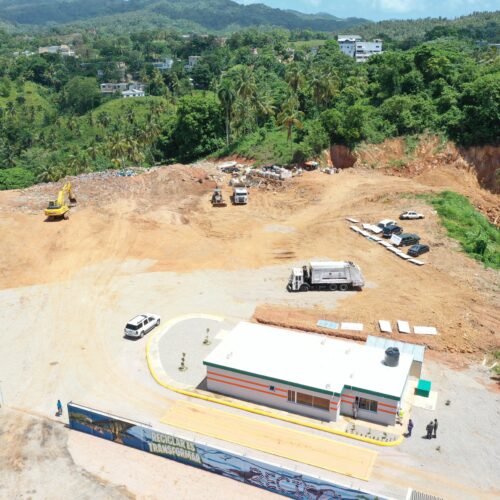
(59,209)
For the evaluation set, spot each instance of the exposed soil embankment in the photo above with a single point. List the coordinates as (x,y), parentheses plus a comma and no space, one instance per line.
(473,172)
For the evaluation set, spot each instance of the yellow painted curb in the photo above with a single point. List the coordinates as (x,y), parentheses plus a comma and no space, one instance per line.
(244,407)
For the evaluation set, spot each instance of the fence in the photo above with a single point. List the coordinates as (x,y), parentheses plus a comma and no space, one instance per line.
(257,473)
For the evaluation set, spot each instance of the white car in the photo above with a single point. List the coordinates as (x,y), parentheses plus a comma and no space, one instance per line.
(386,222)
(411,215)
(142,324)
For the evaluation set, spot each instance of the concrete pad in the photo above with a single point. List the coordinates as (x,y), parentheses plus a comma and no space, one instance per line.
(426,403)
(425,330)
(417,262)
(327,324)
(355,327)
(403,326)
(281,441)
(385,326)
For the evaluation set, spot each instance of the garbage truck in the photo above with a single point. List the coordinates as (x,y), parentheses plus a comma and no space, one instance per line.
(326,276)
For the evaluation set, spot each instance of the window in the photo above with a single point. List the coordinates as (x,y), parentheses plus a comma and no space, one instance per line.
(308,400)
(304,399)
(322,403)
(271,388)
(291,396)
(367,404)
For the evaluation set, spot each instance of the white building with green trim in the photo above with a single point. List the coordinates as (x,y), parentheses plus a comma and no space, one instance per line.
(309,374)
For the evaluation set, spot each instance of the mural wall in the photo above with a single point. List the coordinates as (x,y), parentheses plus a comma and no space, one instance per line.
(256,473)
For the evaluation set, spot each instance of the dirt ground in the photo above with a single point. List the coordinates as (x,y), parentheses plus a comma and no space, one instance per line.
(164,217)
(153,243)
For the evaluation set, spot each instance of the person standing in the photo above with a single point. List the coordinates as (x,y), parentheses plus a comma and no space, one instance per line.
(59,408)
(429,429)
(410,427)
(435,427)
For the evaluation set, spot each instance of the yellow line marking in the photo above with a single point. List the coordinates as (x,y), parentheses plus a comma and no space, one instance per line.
(241,406)
(292,444)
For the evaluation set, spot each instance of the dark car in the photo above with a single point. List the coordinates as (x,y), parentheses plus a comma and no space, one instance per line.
(405,239)
(417,250)
(391,229)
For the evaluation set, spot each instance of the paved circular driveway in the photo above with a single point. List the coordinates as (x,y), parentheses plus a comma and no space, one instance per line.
(187,336)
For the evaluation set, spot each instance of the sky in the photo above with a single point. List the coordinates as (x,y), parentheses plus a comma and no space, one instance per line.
(377,10)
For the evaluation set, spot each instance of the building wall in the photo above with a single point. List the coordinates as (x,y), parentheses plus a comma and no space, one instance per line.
(267,393)
(386,408)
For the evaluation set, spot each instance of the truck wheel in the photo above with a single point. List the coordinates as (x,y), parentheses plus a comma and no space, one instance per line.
(343,287)
(289,288)
(304,288)
(332,287)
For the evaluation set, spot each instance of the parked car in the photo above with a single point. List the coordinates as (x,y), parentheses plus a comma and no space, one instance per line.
(417,250)
(141,324)
(388,231)
(386,222)
(405,239)
(410,214)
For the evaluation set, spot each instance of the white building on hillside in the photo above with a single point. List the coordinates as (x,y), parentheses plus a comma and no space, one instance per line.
(364,50)
(347,44)
(310,374)
(63,50)
(164,65)
(126,94)
(353,46)
(192,62)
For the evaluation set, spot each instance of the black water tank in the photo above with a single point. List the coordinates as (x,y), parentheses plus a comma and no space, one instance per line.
(392,356)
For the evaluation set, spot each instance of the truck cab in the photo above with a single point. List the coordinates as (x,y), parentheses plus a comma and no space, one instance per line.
(240,196)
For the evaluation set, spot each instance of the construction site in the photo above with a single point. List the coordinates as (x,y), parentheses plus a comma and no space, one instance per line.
(300,387)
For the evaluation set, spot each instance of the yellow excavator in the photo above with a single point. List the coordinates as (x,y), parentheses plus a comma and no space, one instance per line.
(59,209)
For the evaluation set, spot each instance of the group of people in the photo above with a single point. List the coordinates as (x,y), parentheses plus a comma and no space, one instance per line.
(431,428)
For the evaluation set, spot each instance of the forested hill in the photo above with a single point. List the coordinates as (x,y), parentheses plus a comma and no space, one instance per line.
(209,14)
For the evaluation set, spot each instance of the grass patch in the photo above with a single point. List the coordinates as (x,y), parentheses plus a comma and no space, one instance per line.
(264,146)
(478,238)
(411,144)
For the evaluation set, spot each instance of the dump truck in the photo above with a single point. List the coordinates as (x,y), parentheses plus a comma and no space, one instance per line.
(240,195)
(326,276)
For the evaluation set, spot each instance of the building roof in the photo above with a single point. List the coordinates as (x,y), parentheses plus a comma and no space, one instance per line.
(309,361)
(416,351)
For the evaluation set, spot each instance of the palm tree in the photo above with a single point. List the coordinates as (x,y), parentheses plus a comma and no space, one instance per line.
(294,77)
(104,119)
(93,151)
(118,148)
(11,110)
(290,116)
(227,96)
(324,85)
(264,104)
